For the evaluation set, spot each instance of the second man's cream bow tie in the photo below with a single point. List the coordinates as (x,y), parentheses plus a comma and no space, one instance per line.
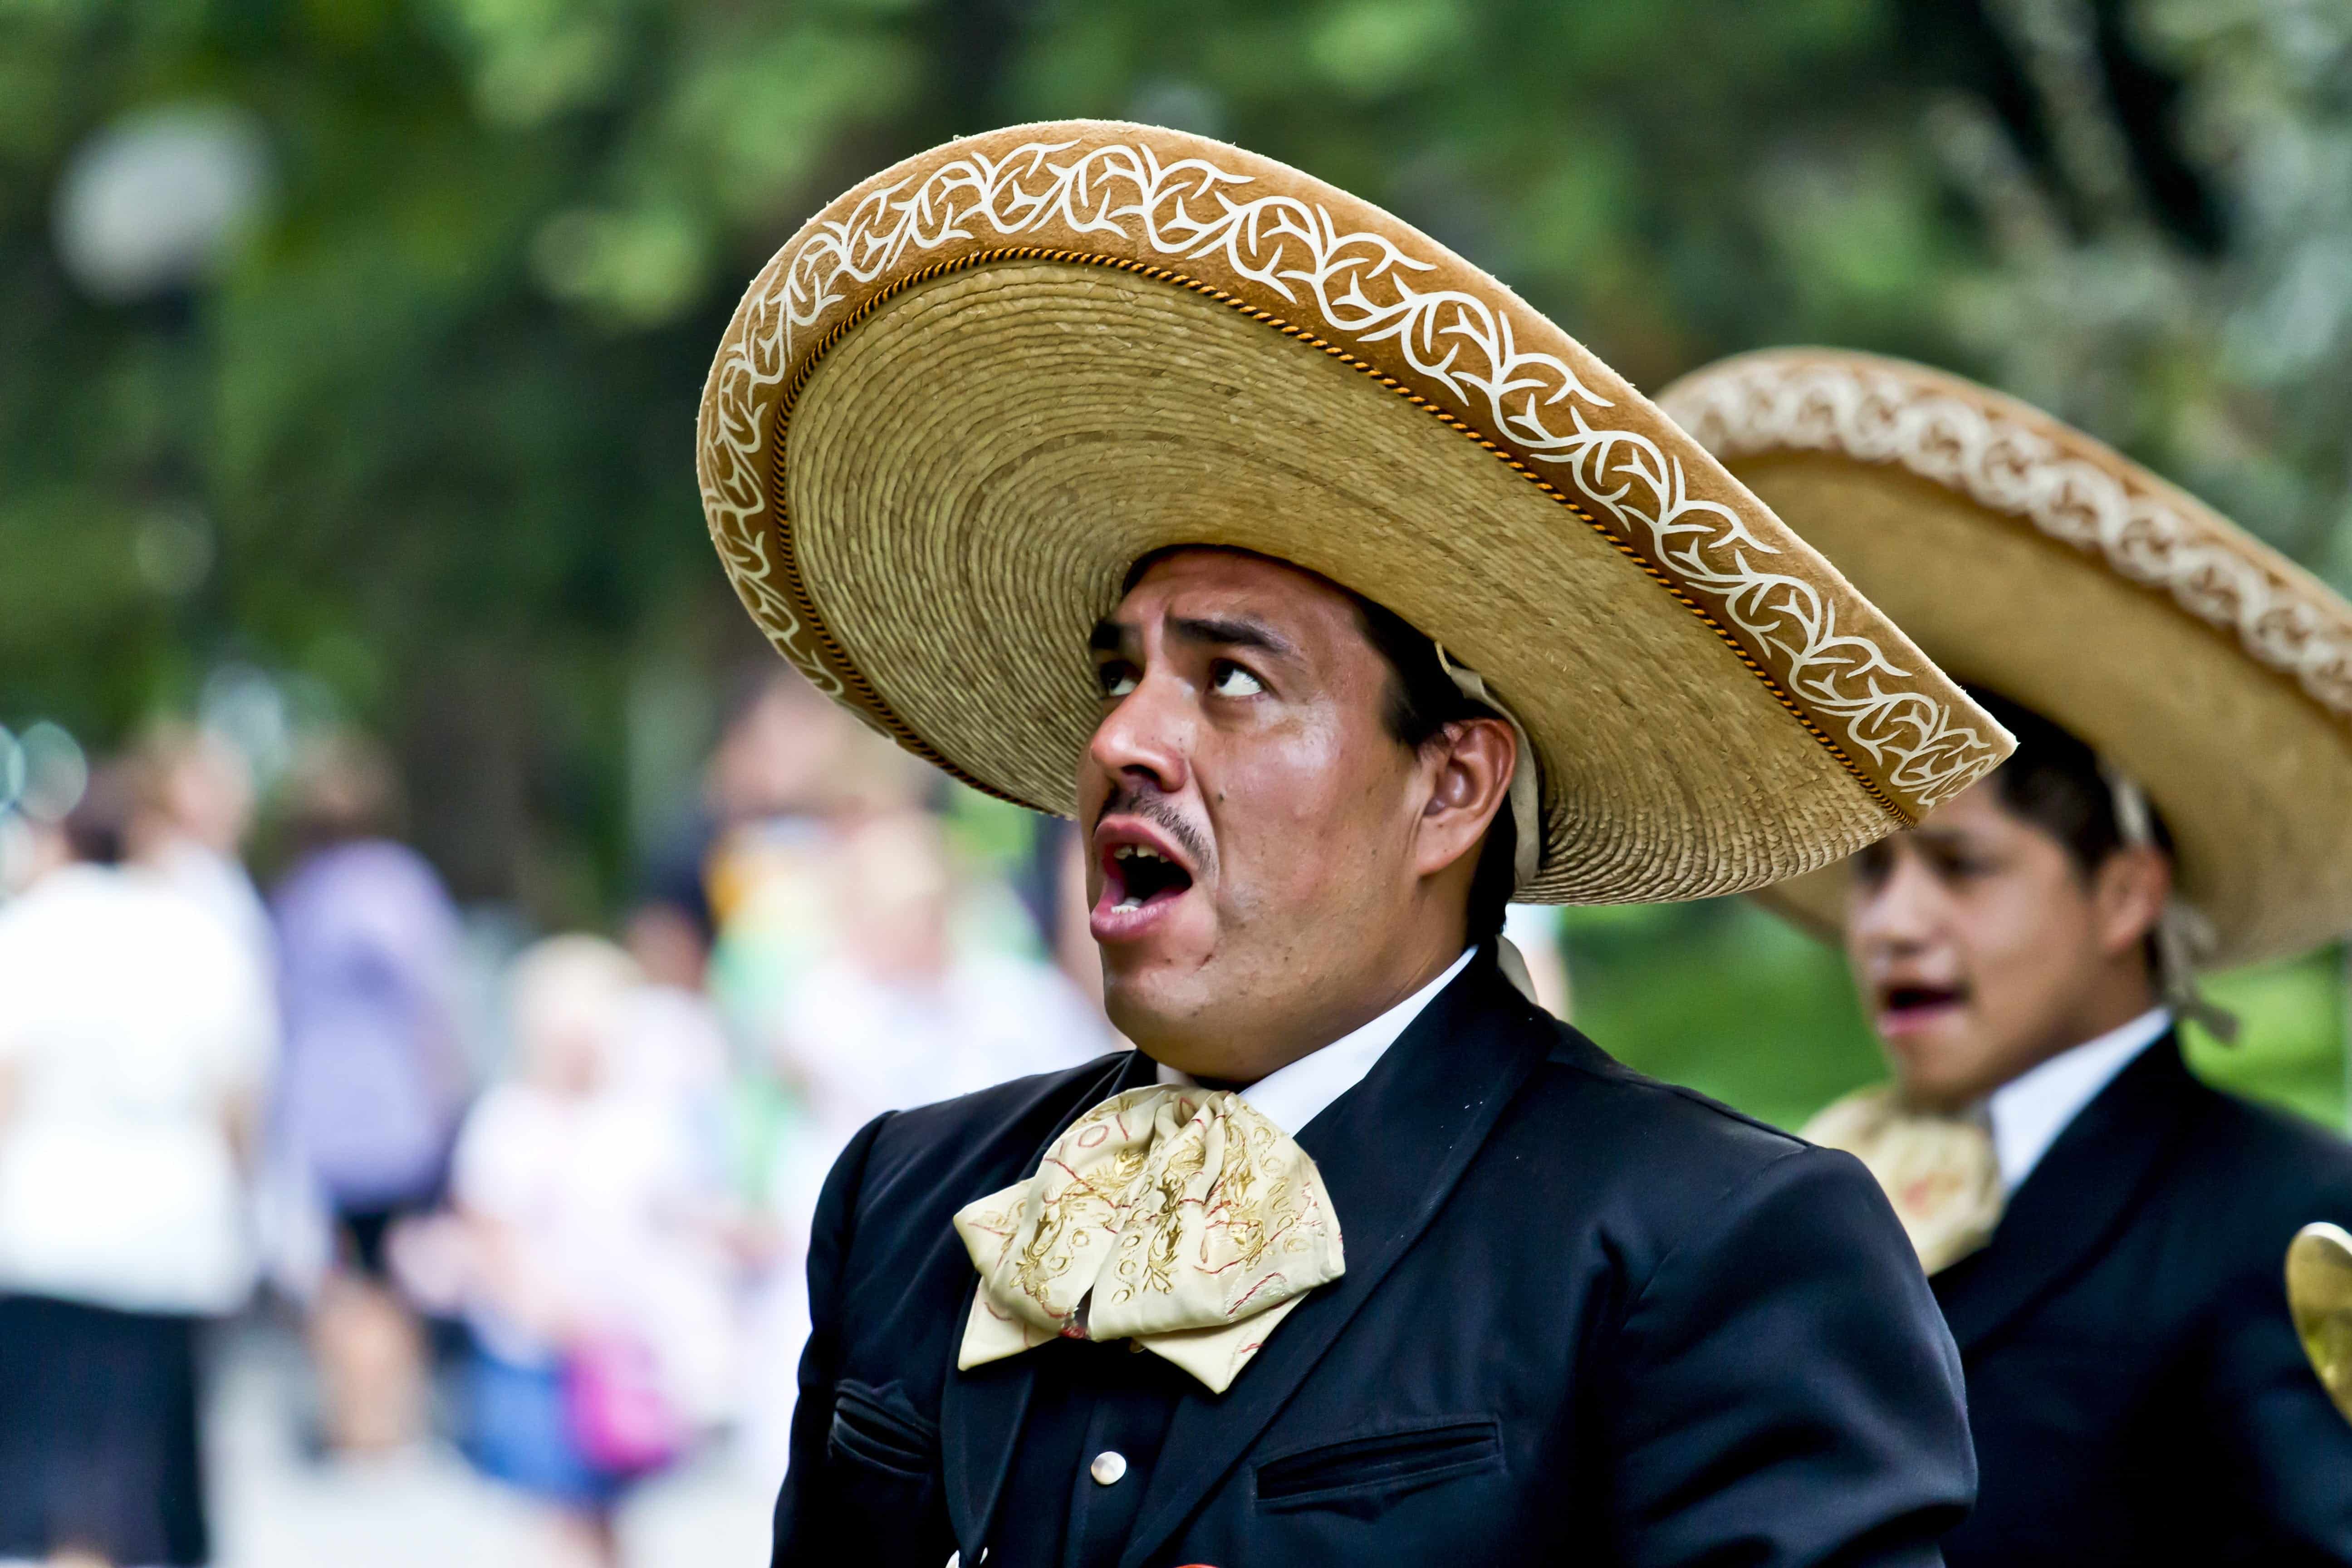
(1178,1217)
(1939,1172)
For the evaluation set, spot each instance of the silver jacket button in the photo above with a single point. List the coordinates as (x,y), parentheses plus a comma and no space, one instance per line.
(1108,1466)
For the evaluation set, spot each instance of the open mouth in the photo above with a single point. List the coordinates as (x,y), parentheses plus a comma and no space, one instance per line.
(1914,1003)
(1136,875)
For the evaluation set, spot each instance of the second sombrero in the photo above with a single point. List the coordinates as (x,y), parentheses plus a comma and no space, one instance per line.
(2034,561)
(973,390)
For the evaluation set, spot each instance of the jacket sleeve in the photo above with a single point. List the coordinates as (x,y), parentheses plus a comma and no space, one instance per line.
(2286,1451)
(806,1530)
(1786,1393)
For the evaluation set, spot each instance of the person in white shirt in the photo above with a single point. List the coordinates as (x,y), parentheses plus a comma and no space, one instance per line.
(134,1040)
(194,807)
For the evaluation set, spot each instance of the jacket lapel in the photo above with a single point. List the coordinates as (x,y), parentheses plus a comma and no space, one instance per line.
(980,1411)
(1389,1150)
(2083,1191)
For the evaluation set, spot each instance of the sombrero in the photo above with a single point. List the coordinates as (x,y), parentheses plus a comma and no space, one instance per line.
(970,392)
(2027,559)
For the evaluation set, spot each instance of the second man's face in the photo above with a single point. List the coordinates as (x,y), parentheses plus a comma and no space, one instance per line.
(1979,948)
(1250,820)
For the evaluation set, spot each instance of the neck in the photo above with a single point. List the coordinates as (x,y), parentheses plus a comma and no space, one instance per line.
(2106,1008)
(1331,1009)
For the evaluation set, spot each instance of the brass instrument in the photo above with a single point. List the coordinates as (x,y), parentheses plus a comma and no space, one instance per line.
(2319,1295)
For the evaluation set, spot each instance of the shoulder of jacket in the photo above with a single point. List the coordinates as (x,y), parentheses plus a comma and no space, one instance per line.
(2264,1148)
(1019,1113)
(1578,1068)
(1661,1146)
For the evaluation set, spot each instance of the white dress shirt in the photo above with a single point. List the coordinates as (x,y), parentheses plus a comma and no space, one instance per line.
(2030,1110)
(1291,1097)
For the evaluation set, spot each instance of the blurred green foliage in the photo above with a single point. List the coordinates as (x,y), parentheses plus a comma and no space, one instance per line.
(2291,1045)
(420,448)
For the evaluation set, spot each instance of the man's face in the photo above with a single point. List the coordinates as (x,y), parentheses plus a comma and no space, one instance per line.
(1980,950)
(1252,824)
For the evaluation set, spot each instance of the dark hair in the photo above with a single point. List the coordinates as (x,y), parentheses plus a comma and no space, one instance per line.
(2053,781)
(1422,701)
(343,786)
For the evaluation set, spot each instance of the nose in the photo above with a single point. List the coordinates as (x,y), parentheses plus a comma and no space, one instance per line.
(1897,915)
(1146,740)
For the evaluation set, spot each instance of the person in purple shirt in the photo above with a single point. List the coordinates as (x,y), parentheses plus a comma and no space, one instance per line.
(372,1083)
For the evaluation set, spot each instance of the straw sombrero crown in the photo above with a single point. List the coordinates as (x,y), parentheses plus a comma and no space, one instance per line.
(2032,561)
(970,393)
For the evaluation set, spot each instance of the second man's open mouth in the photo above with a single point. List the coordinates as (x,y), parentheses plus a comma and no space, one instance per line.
(1909,1007)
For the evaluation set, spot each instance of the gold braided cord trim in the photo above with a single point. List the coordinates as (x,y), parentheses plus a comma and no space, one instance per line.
(1457,349)
(862,691)
(2068,486)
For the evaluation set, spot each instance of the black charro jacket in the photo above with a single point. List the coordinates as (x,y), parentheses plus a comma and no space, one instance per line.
(2135,1384)
(1587,1319)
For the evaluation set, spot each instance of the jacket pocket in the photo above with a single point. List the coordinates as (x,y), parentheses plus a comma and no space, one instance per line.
(880,1428)
(1363,1475)
(881,1497)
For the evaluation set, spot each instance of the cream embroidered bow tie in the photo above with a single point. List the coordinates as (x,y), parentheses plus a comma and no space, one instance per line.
(1178,1217)
(1940,1172)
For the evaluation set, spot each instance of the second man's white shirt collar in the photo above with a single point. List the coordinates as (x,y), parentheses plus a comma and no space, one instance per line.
(1291,1097)
(2031,1109)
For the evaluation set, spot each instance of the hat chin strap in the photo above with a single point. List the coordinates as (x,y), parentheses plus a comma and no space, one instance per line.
(1527,794)
(2182,933)
(1527,813)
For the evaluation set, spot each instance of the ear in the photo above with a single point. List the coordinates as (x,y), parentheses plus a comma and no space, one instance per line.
(2128,896)
(1469,765)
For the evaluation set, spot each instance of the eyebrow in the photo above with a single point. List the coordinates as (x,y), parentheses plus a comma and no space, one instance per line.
(1940,837)
(1113,636)
(1230,634)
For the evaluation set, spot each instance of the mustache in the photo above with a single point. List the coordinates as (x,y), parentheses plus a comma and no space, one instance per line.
(1158,809)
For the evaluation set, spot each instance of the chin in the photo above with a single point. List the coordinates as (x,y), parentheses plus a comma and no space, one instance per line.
(1147,1003)
(1935,1074)
(1161,969)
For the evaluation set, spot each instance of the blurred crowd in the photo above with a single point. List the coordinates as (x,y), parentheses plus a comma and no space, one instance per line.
(563,1231)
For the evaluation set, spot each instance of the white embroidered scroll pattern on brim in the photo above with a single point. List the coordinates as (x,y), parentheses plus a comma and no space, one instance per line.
(1773,403)
(1358,287)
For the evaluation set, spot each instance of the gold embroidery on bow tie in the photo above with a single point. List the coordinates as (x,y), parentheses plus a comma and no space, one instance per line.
(1185,1221)
(1940,1173)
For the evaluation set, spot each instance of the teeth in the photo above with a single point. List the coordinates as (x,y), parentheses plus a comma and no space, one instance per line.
(1134,856)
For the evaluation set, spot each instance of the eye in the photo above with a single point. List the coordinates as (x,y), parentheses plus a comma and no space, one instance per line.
(1115,676)
(1960,865)
(1227,678)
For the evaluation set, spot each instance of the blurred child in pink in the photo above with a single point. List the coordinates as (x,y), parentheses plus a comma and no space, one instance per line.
(602,1331)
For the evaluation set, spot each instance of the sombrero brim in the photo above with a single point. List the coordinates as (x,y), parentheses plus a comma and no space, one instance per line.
(968,395)
(2029,558)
